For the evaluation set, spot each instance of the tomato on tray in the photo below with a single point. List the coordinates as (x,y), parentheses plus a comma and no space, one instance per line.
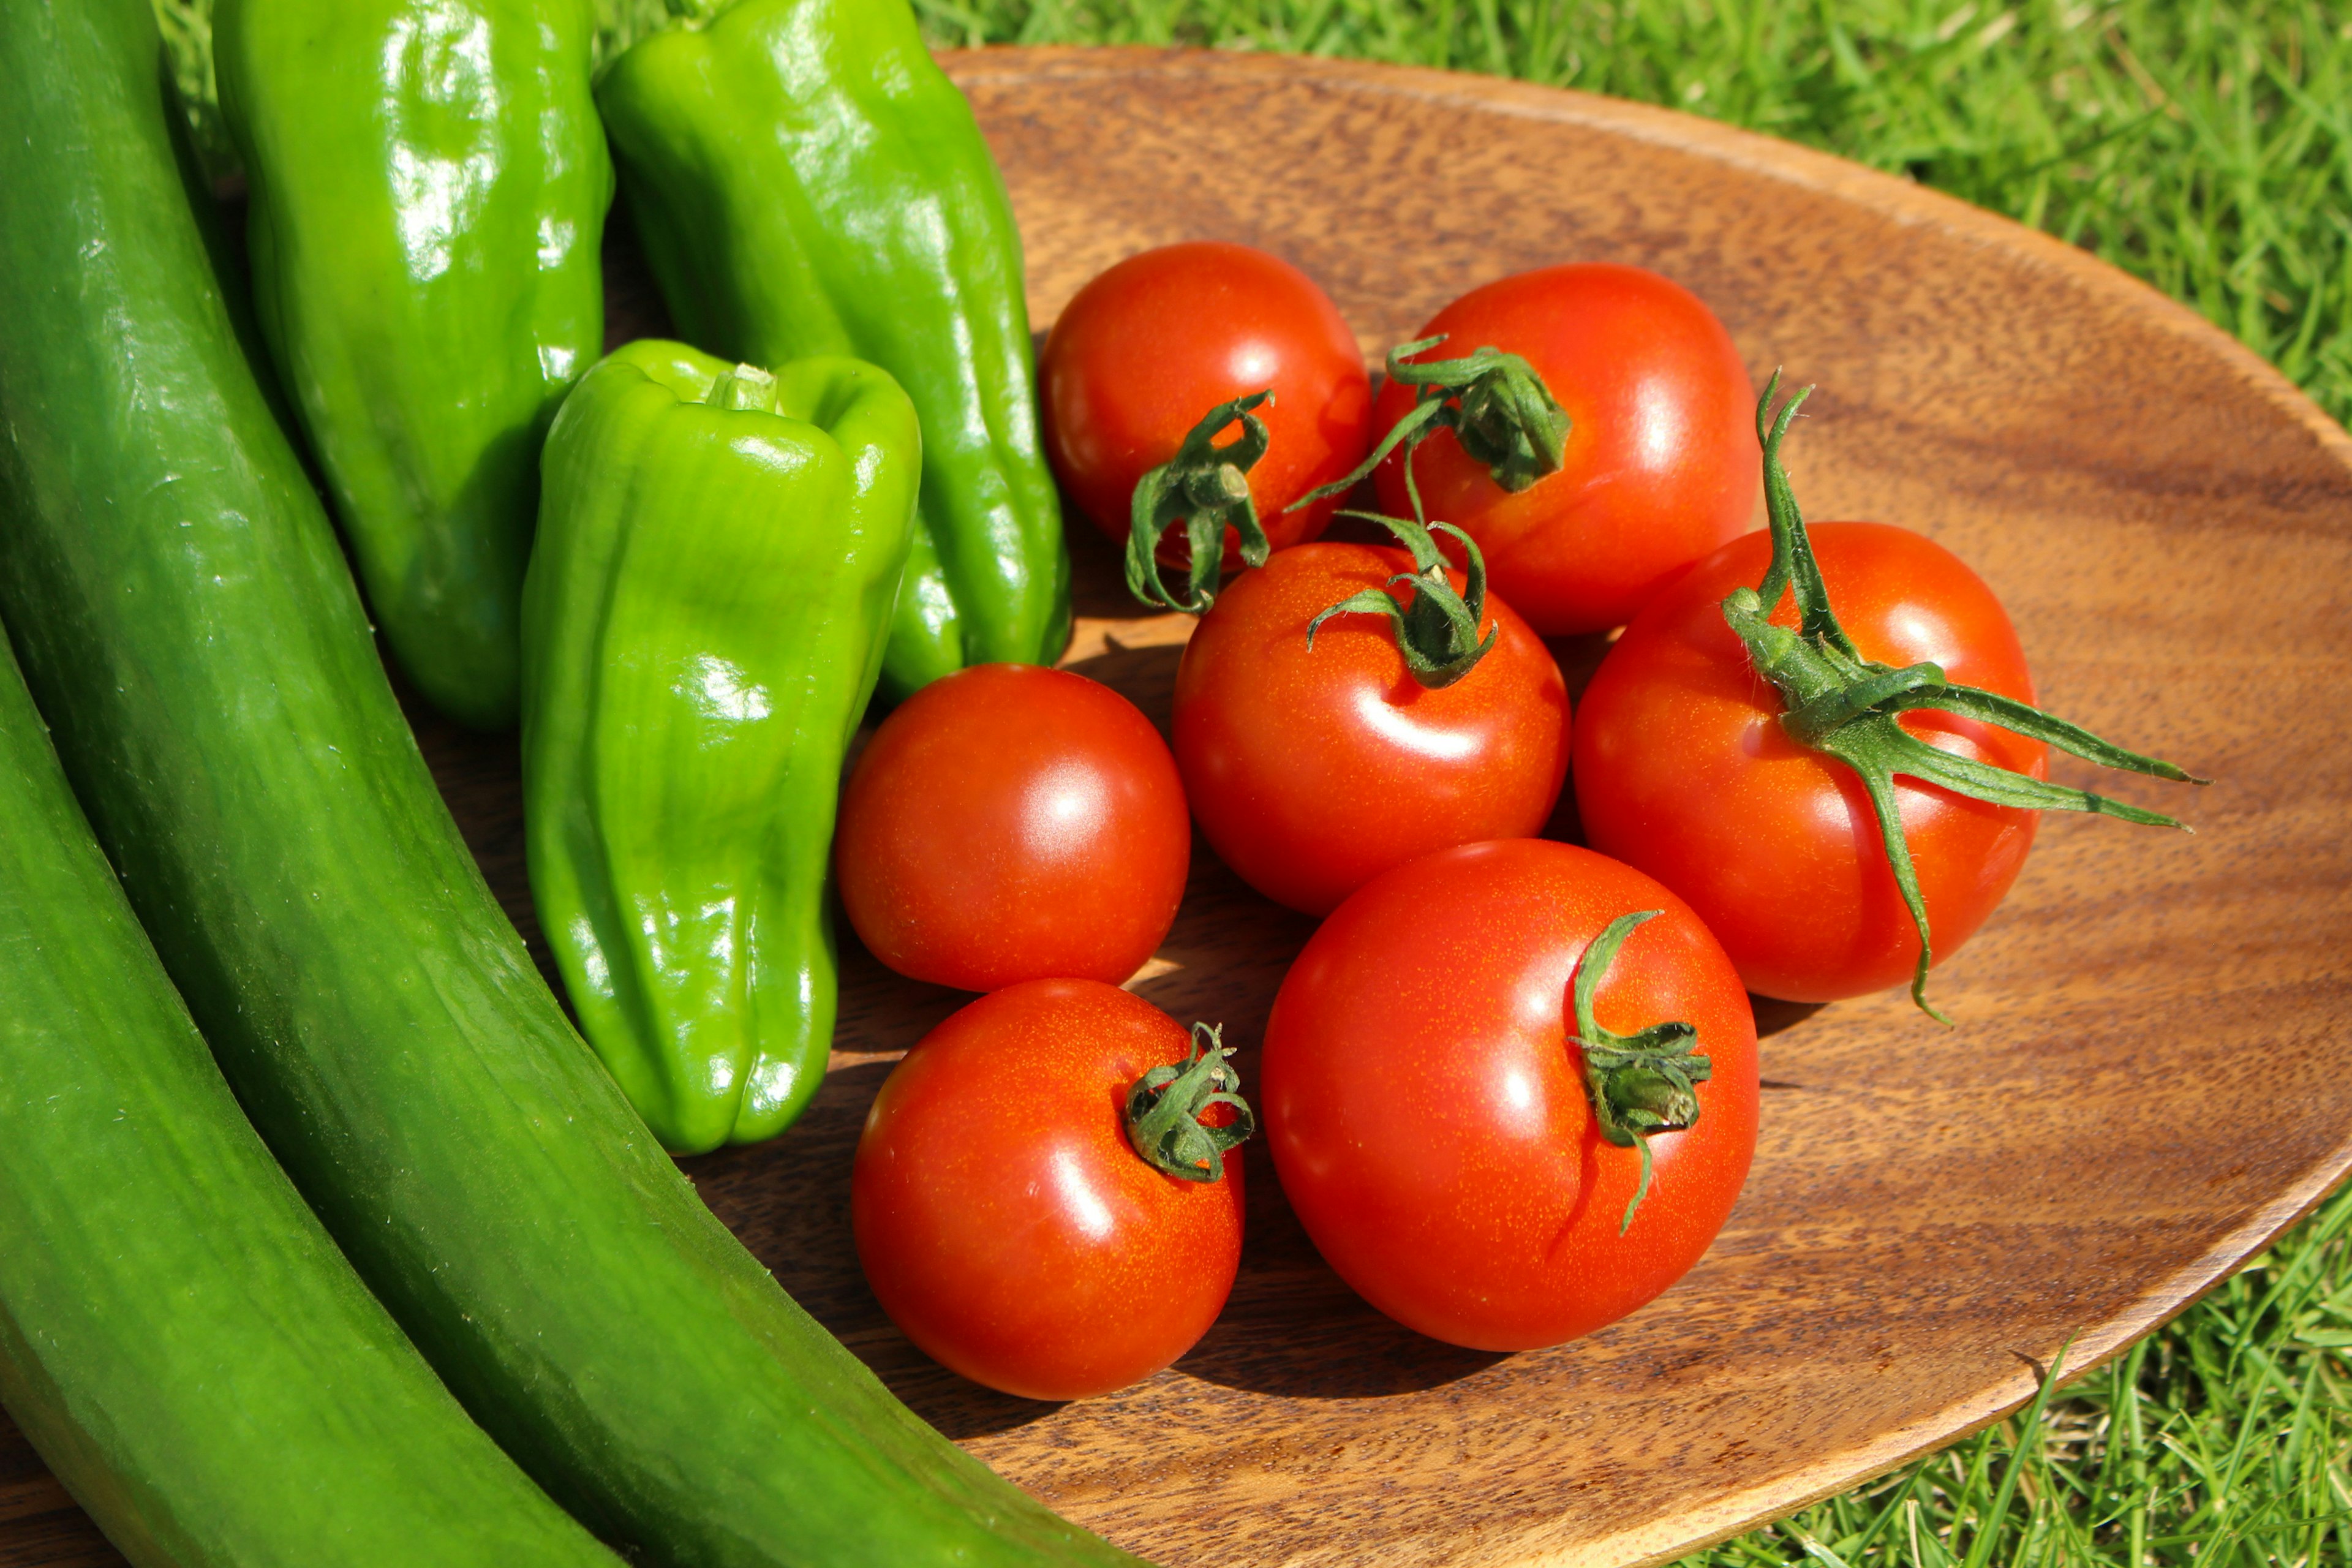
(1313,767)
(1427,1108)
(1659,467)
(1682,769)
(1011,823)
(1007,1221)
(1149,347)
(1739,742)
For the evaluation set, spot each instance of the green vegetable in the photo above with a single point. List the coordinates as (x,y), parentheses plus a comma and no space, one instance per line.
(718,548)
(428,191)
(178,1337)
(806,180)
(186,621)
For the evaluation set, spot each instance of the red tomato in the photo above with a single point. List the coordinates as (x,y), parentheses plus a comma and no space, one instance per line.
(1682,768)
(1010,823)
(1005,1223)
(1313,770)
(1150,346)
(1662,464)
(1426,1106)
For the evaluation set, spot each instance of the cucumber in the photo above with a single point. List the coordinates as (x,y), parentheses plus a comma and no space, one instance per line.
(192,632)
(178,1337)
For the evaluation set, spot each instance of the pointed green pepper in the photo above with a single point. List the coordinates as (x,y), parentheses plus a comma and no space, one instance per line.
(806,180)
(719,550)
(429,183)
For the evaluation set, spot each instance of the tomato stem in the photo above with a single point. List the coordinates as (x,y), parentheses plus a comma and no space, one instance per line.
(1164,1108)
(1497,405)
(1639,1084)
(1837,702)
(1437,630)
(1206,487)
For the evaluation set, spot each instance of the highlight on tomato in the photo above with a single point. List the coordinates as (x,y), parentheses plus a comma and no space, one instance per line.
(1655,463)
(1048,1195)
(1510,1089)
(1859,811)
(1345,708)
(1010,823)
(1144,349)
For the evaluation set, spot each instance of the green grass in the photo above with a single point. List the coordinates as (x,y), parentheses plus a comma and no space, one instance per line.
(2207,147)
(2222,1440)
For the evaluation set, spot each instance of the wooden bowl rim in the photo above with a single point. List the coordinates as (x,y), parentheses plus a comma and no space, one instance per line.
(1678,130)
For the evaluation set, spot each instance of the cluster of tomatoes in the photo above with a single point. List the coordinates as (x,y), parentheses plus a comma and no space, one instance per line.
(1509,1086)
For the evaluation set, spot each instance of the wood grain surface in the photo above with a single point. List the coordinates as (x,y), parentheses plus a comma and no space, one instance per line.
(2152,1070)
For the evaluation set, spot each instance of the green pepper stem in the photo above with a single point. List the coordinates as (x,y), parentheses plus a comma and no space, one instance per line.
(1164,1108)
(1206,487)
(1638,1084)
(1836,702)
(743,388)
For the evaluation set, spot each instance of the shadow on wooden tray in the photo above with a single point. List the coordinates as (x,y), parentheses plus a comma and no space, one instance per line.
(788,1200)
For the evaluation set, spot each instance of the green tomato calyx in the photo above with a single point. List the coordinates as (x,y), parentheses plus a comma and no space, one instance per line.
(1845,706)
(1497,405)
(1437,629)
(1164,1108)
(1639,1084)
(1205,487)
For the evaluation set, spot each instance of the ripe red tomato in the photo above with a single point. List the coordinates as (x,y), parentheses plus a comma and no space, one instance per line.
(1427,1110)
(1003,1219)
(1152,344)
(1662,463)
(1010,823)
(1313,770)
(1682,768)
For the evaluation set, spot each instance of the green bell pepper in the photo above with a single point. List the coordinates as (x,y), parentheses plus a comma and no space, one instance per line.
(429,183)
(718,548)
(806,180)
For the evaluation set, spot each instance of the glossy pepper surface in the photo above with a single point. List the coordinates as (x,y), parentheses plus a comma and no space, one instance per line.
(807,181)
(429,184)
(719,550)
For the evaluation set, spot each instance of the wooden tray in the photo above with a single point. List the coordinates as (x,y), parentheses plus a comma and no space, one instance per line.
(2152,1072)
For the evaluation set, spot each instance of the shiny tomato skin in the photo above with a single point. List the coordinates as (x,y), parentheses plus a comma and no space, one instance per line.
(1661,465)
(1682,768)
(1311,770)
(1149,346)
(1002,1219)
(1427,1113)
(1010,823)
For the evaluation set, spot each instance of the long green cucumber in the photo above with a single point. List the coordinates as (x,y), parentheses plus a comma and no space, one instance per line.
(193,636)
(178,1337)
